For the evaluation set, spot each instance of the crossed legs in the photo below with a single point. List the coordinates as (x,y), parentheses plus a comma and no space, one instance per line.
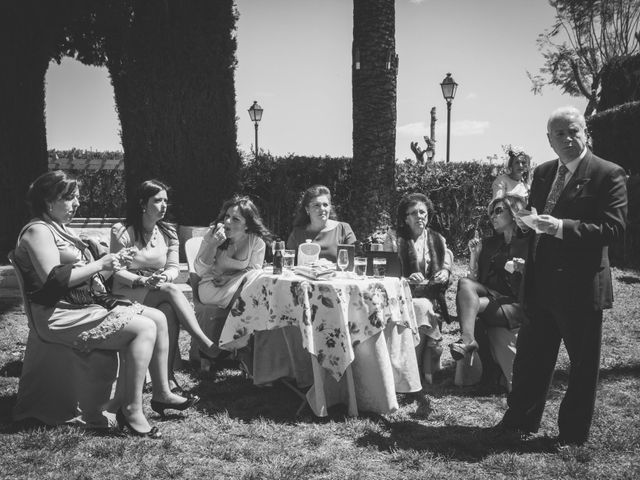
(178,311)
(471,300)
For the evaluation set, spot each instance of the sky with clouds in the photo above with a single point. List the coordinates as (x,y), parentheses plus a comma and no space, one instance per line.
(294,58)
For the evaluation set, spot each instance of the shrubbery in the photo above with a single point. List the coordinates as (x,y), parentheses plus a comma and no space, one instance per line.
(615,135)
(460,191)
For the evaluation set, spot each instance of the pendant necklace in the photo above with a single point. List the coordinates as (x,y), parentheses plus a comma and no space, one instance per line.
(153,236)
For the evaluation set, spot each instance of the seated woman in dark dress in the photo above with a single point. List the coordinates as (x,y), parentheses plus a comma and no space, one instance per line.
(490,292)
(315,220)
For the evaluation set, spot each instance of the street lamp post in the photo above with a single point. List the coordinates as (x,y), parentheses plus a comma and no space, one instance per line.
(255,113)
(449,87)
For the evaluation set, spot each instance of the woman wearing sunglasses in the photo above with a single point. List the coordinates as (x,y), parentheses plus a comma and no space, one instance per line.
(490,291)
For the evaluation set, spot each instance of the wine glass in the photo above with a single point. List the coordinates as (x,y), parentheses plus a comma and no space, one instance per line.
(343,259)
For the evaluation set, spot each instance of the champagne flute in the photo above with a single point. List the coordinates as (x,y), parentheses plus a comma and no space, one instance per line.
(343,259)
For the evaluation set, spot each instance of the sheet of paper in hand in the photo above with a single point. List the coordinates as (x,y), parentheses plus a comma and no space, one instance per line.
(530,219)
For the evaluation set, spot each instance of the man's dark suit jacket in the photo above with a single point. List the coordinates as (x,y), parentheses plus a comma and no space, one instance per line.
(574,272)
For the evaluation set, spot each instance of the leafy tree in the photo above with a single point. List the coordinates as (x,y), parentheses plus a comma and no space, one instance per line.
(374,79)
(32,33)
(585,36)
(171,64)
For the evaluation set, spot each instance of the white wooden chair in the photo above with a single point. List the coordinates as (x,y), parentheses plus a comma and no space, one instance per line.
(59,384)
(210,317)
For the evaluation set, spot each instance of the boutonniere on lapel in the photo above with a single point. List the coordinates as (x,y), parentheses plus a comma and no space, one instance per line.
(581,182)
(573,190)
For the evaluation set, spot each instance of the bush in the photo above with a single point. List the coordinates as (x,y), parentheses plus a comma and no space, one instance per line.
(276,183)
(460,191)
(615,135)
(102,194)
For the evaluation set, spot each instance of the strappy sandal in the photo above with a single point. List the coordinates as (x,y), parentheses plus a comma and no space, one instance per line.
(460,349)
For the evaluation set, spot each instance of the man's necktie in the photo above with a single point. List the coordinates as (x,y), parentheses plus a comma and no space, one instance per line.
(556,190)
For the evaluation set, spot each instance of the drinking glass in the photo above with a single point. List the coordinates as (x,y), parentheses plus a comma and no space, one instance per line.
(343,259)
(360,265)
(288,257)
(379,267)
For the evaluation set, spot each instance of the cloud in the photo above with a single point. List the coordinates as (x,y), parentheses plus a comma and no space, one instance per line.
(471,95)
(464,128)
(417,129)
(416,1)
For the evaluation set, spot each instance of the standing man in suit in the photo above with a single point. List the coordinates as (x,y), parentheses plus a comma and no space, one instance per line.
(583,204)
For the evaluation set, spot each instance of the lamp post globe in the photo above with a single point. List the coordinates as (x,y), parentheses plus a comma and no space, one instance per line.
(449,88)
(255,114)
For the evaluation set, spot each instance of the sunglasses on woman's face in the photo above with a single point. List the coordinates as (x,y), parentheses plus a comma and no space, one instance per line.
(497,211)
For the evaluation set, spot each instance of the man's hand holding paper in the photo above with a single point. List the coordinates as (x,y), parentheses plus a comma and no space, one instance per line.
(529,219)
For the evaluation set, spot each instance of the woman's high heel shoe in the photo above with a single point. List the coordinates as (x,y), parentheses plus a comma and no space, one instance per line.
(122,423)
(460,349)
(160,407)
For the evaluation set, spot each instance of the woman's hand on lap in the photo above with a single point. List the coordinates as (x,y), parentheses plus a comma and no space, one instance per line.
(416,277)
(441,277)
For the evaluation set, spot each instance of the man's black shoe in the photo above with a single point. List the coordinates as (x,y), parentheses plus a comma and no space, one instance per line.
(509,432)
(563,441)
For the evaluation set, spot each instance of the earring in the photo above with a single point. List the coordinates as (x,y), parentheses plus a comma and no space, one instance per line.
(144,210)
(50,208)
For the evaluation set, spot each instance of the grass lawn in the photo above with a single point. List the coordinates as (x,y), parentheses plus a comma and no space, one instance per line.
(241,431)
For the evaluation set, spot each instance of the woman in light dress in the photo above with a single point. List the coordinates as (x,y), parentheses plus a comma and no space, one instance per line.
(517,178)
(149,277)
(232,252)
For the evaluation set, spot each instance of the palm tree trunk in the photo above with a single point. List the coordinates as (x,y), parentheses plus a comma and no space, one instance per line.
(374,76)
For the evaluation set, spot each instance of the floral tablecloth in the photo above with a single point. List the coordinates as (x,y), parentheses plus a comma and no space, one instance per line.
(333,315)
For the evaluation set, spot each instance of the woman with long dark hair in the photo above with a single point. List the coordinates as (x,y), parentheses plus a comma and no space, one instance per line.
(232,251)
(149,277)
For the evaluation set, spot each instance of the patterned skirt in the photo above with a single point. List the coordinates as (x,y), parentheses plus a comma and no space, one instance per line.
(82,328)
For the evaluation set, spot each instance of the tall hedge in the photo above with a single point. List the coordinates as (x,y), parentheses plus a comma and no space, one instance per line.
(615,135)
(172,68)
(620,82)
(460,192)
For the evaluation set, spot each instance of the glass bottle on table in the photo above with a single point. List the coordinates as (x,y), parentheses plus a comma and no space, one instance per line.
(278,257)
